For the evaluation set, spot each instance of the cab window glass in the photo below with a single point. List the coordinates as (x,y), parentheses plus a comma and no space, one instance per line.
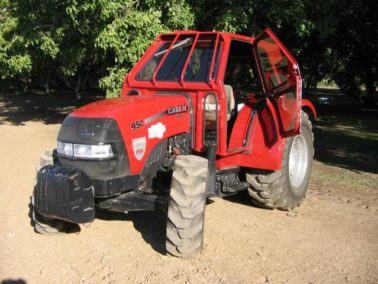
(173,64)
(273,62)
(198,67)
(146,73)
(200,62)
(240,72)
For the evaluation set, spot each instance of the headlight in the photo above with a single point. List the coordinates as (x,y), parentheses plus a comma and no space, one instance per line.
(85,151)
(93,151)
(65,148)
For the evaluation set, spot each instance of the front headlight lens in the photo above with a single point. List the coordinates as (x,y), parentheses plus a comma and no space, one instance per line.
(65,148)
(85,151)
(93,151)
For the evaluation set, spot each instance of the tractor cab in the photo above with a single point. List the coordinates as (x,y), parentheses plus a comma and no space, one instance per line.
(226,76)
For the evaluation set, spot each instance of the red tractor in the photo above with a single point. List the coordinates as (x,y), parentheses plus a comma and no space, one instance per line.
(202,114)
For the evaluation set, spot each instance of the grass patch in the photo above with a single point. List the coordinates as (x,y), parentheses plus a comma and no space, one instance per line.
(346,134)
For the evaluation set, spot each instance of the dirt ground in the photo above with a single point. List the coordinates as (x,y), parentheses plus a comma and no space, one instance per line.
(331,238)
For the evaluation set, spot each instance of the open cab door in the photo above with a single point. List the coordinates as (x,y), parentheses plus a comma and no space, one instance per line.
(281,80)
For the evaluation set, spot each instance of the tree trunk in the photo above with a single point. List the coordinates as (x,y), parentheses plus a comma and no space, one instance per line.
(309,86)
(26,84)
(66,82)
(84,85)
(47,85)
(370,86)
(77,89)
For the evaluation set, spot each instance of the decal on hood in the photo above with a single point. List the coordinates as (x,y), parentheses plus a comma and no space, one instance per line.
(156,131)
(169,111)
(177,109)
(139,147)
(137,124)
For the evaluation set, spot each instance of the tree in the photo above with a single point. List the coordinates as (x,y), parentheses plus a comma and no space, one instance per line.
(71,42)
(130,30)
(15,62)
(354,47)
(59,38)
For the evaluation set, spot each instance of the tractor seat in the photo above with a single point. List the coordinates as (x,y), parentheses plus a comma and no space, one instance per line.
(230,99)
(210,108)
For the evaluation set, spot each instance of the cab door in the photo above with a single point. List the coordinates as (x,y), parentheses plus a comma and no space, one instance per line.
(281,80)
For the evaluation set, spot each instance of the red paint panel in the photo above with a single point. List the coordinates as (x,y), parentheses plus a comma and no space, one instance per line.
(265,147)
(307,104)
(281,76)
(240,128)
(127,110)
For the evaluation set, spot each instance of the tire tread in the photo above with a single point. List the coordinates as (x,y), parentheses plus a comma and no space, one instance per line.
(269,190)
(185,219)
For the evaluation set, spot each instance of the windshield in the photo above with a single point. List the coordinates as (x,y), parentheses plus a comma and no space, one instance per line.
(198,66)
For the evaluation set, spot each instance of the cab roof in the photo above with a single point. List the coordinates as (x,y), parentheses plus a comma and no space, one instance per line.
(224,35)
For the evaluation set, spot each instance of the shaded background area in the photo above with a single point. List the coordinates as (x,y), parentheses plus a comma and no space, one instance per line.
(346,133)
(17,109)
(82,45)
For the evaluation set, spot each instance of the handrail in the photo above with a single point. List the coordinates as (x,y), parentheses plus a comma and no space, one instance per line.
(211,79)
(188,59)
(163,59)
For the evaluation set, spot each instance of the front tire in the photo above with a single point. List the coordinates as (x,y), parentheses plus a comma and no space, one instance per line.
(286,189)
(186,208)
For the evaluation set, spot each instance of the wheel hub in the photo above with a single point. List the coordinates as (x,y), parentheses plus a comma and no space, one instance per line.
(298,161)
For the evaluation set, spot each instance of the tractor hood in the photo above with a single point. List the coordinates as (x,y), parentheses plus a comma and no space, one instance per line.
(141,110)
(143,121)
(111,108)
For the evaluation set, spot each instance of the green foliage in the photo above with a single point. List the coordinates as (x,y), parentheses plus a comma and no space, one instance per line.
(15,62)
(131,30)
(126,37)
(178,15)
(355,47)
(233,20)
(72,42)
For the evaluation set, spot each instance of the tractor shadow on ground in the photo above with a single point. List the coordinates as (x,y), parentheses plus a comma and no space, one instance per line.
(150,224)
(13,281)
(243,198)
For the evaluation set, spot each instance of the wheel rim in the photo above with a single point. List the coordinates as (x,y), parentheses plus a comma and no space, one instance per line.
(298,161)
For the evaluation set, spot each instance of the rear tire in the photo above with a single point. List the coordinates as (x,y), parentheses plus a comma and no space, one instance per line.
(286,189)
(186,209)
(45,225)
